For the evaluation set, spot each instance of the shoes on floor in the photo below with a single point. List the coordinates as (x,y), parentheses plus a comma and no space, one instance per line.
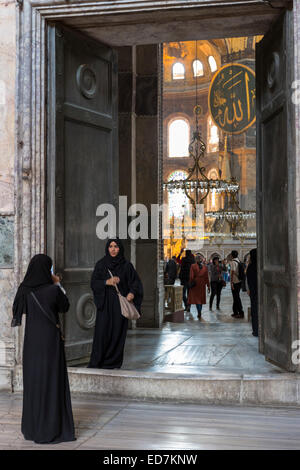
(237,315)
(199,317)
(218,308)
(254,334)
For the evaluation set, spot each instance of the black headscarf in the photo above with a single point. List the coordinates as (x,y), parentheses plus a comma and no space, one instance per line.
(38,274)
(114,262)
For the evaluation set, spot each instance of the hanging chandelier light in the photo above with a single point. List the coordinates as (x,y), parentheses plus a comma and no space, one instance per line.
(197,186)
(234,216)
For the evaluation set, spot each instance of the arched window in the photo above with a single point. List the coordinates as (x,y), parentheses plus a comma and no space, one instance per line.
(211,201)
(198,68)
(178,71)
(177,198)
(212,63)
(213,136)
(179,134)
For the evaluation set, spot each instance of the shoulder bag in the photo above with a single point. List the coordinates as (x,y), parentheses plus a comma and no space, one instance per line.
(128,309)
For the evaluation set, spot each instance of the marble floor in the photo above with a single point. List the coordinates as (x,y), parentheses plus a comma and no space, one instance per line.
(103,424)
(217,344)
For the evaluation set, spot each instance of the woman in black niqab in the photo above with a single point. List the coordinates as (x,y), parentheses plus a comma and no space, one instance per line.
(111,326)
(47,413)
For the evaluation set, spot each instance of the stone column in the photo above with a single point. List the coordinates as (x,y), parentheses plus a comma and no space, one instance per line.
(294,96)
(127,132)
(148,172)
(7,212)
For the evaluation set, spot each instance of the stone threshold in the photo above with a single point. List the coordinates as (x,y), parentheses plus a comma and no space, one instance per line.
(283,389)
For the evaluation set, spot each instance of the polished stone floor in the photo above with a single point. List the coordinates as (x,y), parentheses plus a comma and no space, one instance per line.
(217,344)
(121,424)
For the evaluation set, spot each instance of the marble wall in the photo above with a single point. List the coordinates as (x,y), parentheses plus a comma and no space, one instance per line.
(7,98)
(297,142)
(7,152)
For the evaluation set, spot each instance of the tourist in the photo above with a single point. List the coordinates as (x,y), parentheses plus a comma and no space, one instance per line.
(216,270)
(198,282)
(225,270)
(171,271)
(251,274)
(47,412)
(184,276)
(236,277)
(111,326)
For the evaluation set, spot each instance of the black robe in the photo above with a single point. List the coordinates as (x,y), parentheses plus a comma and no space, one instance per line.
(47,413)
(111,326)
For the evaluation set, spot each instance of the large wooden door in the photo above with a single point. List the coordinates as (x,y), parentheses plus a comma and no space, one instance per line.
(82,169)
(276,202)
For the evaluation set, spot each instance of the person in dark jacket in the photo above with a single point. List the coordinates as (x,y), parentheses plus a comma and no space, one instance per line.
(251,275)
(171,271)
(184,276)
(216,281)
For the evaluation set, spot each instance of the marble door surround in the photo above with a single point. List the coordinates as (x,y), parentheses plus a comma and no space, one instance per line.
(176,17)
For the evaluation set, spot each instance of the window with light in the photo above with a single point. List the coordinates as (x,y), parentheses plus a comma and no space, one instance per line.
(179,134)
(198,68)
(178,71)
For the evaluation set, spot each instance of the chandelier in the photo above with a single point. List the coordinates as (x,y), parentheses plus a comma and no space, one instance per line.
(197,186)
(233,215)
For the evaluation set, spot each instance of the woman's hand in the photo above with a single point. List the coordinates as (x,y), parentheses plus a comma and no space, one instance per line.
(55,278)
(112,281)
(130,297)
(208,289)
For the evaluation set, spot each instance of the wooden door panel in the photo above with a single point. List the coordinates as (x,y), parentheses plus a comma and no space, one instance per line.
(276,227)
(86,151)
(82,169)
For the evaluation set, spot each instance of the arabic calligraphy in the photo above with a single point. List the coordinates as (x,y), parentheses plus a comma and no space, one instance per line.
(232,98)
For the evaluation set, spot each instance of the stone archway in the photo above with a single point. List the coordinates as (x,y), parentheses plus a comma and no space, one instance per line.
(30,136)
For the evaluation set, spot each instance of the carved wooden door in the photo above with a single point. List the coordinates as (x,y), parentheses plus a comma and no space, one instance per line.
(276,208)
(82,169)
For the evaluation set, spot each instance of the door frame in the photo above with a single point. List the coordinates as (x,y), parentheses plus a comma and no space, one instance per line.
(31,109)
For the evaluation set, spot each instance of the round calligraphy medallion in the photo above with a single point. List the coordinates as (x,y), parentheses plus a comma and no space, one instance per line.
(232,98)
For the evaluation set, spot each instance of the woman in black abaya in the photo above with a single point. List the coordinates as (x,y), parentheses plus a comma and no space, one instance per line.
(111,325)
(47,413)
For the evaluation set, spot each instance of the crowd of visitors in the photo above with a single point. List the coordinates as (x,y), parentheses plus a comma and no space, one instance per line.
(197,275)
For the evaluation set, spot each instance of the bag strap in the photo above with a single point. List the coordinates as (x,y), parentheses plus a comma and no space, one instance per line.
(115,284)
(44,311)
